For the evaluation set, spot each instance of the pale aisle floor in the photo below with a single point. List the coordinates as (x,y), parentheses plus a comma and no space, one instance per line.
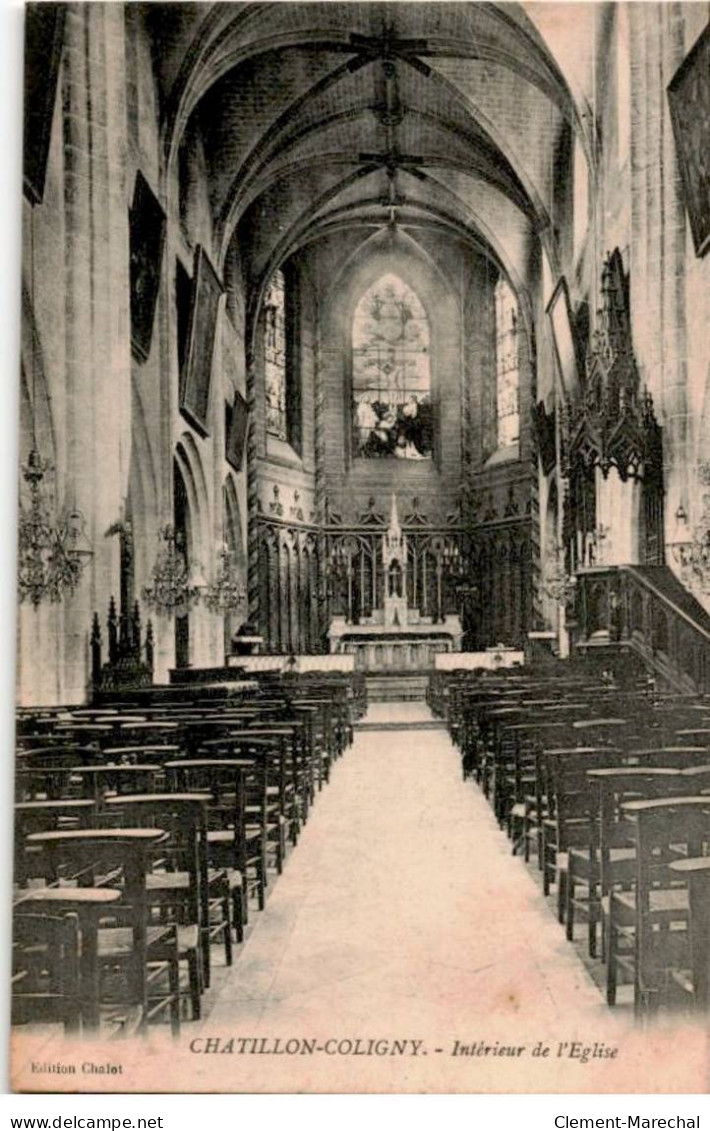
(403,914)
(401,901)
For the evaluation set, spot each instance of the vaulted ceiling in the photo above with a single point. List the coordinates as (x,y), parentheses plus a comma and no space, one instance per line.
(319,116)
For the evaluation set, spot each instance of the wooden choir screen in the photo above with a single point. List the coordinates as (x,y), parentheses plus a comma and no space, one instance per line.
(289,610)
(498,597)
(299,591)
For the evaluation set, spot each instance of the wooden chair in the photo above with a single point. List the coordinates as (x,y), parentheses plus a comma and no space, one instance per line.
(43,816)
(647,930)
(233,850)
(287,778)
(126,959)
(262,808)
(273,748)
(607,857)
(181,887)
(527,815)
(45,970)
(695,981)
(566,825)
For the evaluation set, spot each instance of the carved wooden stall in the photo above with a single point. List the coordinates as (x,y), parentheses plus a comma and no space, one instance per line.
(129,663)
(611,425)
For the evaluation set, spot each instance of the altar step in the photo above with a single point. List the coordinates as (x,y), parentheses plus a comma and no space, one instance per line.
(424,724)
(392,686)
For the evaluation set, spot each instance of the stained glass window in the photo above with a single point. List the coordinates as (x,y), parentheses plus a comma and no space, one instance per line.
(275,357)
(392,411)
(507,377)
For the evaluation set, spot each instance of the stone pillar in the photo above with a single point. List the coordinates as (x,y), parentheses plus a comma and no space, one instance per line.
(618,514)
(254,452)
(658,238)
(97,329)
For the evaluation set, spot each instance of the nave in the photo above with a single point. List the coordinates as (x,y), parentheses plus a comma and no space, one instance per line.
(403,905)
(401,923)
(346,386)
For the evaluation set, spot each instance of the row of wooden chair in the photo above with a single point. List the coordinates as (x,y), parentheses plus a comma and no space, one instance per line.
(135,859)
(609,788)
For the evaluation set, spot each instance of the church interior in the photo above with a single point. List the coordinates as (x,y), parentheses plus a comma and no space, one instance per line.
(364,498)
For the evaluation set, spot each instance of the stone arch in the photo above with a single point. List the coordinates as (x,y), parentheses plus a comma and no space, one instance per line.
(143,503)
(191,512)
(189,462)
(232,523)
(233,535)
(401,256)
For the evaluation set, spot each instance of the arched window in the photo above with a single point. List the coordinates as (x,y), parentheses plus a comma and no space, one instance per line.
(281,371)
(391,374)
(507,376)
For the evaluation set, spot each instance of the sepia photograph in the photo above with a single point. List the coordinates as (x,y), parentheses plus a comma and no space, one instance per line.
(362,674)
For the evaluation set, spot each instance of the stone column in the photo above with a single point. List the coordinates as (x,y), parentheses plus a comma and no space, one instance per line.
(97,333)
(658,240)
(618,514)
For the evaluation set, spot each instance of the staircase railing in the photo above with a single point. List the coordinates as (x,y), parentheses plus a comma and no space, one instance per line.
(647,609)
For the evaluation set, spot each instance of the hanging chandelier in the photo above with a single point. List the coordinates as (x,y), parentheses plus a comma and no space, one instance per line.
(50,559)
(227,593)
(51,554)
(171,591)
(690,547)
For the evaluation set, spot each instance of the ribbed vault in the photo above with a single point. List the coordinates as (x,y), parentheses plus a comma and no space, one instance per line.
(316,117)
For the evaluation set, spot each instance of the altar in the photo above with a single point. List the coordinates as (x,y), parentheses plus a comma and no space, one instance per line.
(395,638)
(408,647)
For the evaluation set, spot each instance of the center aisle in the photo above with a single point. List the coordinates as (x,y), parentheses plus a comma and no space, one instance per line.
(402,916)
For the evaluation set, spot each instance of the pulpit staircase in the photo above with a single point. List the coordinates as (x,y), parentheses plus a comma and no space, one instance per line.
(642,618)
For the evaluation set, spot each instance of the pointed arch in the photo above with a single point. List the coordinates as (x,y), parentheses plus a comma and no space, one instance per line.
(232,523)
(197,518)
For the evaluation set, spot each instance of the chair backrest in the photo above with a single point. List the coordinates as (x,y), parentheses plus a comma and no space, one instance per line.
(666,828)
(157,753)
(568,789)
(42,816)
(121,778)
(224,780)
(610,827)
(91,855)
(183,817)
(45,969)
(116,858)
(695,736)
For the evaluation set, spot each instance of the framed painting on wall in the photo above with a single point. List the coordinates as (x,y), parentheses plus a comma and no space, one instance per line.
(196,374)
(44,34)
(235,432)
(146,222)
(689,103)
